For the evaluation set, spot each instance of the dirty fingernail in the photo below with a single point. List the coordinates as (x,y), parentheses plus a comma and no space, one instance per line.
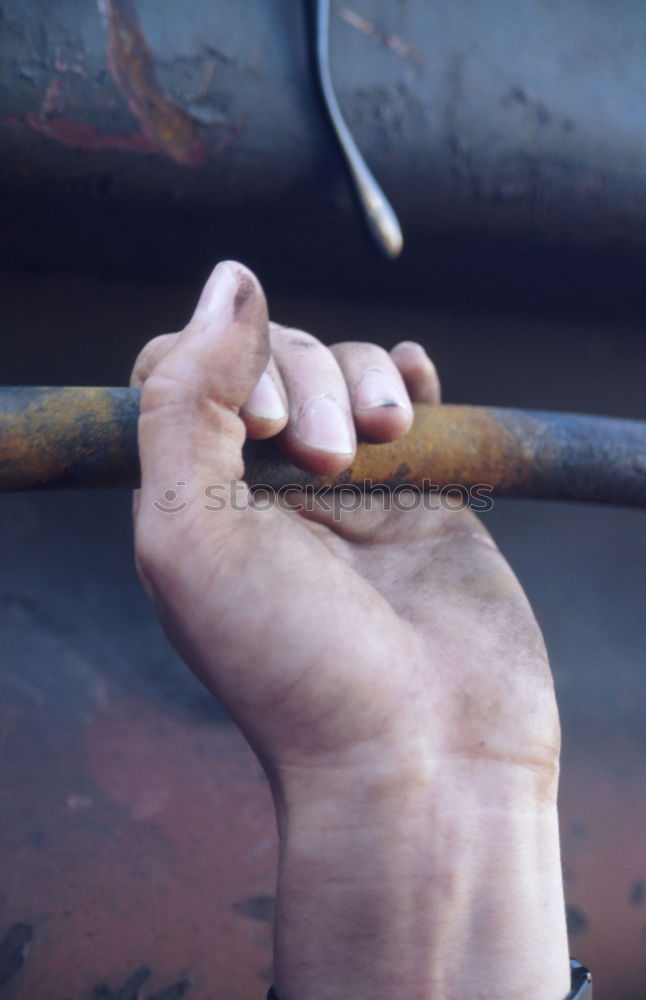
(376,388)
(323,425)
(264,401)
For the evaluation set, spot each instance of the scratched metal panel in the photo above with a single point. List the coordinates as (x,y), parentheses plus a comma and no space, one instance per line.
(499,130)
(508,107)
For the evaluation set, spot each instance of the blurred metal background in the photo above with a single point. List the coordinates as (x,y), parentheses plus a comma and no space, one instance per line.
(135,827)
(509,136)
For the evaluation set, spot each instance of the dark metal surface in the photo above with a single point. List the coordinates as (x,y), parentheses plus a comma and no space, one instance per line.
(510,137)
(473,112)
(62,438)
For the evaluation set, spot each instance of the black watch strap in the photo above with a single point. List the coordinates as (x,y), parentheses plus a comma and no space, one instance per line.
(581,983)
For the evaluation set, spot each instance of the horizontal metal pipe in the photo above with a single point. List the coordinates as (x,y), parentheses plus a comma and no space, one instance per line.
(82,438)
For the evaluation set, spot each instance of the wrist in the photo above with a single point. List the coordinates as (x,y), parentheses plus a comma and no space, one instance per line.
(425,883)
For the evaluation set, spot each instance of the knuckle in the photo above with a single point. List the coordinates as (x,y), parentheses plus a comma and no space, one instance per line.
(300,338)
(162,388)
(151,350)
(148,357)
(365,351)
(351,345)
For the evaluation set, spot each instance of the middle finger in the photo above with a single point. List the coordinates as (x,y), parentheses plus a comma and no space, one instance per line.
(320,434)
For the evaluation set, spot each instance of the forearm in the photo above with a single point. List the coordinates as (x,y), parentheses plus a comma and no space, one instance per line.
(441,886)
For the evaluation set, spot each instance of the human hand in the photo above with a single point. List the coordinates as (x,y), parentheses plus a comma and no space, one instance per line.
(384,664)
(317,629)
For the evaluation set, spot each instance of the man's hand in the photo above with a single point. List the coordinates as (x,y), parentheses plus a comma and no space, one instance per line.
(383,663)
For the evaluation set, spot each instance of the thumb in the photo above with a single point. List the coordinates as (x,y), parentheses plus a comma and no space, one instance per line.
(190,435)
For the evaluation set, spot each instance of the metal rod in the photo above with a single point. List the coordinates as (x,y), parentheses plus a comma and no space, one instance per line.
(86,438)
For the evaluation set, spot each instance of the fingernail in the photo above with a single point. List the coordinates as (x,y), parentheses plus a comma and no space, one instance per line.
(219,292)
(376,388)
(323,425)
(264,401)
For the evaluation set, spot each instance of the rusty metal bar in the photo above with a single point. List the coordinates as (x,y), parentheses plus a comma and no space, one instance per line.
(81,438)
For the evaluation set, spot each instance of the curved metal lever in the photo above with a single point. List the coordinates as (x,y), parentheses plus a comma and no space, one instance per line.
(379,214)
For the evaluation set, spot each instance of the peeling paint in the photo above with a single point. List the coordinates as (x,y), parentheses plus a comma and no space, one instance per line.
(166,128)
(401,48)
(131,66)
(80,135)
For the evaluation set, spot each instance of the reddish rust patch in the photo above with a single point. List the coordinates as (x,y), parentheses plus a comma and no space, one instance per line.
(82,136)
(165,127)
(133,838)
(79,135)
(131,67)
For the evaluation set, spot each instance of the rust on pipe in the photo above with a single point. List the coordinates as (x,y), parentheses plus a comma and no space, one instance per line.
(81,438)
(167,126)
